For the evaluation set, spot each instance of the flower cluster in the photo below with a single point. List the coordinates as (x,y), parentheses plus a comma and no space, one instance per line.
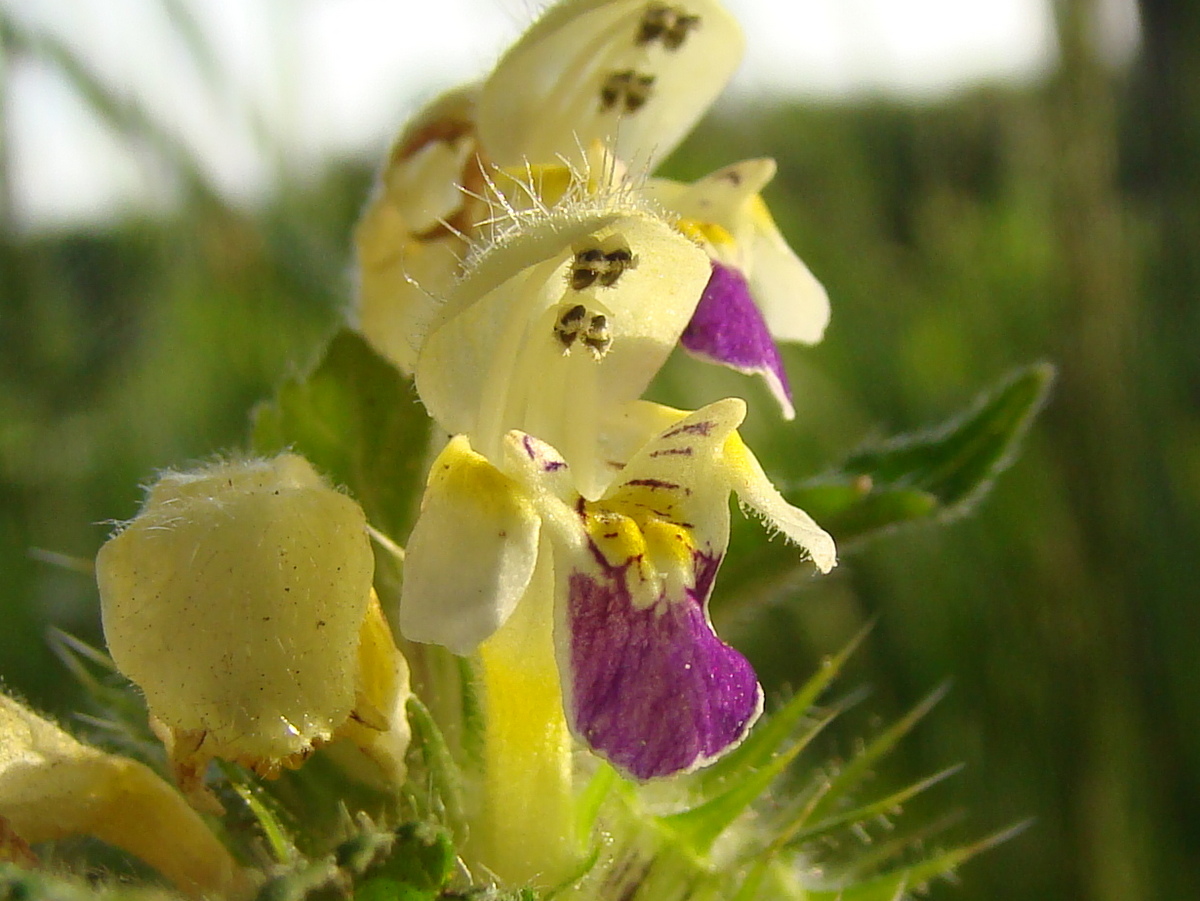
(592,91)
(521,263)
(578,280)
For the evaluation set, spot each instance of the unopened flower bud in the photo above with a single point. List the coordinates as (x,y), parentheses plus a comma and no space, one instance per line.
(52,786)
(237,600)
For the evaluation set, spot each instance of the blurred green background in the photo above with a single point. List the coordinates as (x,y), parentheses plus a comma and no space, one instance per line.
(958,239)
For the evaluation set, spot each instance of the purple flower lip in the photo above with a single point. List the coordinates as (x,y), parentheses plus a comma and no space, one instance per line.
(728,328)
(654,690)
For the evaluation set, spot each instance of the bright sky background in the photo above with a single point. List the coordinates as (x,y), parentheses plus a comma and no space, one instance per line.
(337,77)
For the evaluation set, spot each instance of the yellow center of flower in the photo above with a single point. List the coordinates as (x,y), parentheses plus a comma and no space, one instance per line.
(705,232)
(637,531)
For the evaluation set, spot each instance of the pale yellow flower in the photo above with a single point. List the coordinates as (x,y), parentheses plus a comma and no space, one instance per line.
(239,600)
(53,786)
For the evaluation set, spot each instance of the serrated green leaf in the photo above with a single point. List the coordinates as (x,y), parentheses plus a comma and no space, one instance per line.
(849,508)
(701,826)
(959,459)
(939,472)
(884,806)
(357,420)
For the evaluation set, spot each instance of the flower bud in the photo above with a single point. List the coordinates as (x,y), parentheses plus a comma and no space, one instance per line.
(237,600)
(52,786)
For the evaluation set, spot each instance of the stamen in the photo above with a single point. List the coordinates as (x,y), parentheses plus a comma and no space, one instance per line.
(594,264)
(570,324)
(670,24)
(588,265)
(597,338)
(631,88)
(577,323)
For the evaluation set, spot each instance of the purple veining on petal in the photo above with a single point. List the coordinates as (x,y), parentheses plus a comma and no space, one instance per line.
(537,452)
(729,329)
(703,428)
(654,690)
(657,484)
(672,452)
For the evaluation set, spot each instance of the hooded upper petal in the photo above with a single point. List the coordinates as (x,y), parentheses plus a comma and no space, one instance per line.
(408,243)
(568,315)
(636,75)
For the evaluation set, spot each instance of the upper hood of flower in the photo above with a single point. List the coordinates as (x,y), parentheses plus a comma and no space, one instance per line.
(568,315)
(636,75)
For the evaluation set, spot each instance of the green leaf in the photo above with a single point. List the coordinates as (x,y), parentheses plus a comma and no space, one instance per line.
(881,808)
(422,856)
(744,775)
(939,472)
(850,776)
(443,779)
(278,840)
(357,420)
(701,826)
(898,883)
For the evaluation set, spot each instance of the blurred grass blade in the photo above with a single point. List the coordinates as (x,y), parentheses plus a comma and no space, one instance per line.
(215,73)
(119,112)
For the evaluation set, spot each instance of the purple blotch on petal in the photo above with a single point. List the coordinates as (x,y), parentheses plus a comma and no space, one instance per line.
(653,690)
(729,329)
(536,451)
